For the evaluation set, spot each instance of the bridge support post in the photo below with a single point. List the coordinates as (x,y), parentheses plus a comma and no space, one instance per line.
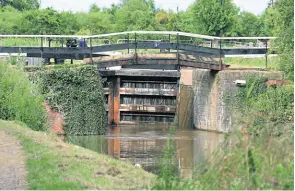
(128,42)
(220,55)
(266,46)
(177,56)
(114,101)
(91,51)
(169,39)
(42,48)
(135,48)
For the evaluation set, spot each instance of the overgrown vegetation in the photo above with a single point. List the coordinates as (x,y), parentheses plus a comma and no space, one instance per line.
(75,92)
(55,165)
(284,29)
(20,99)
(269,110)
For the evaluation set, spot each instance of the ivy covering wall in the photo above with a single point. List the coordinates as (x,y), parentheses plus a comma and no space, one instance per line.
(78,95)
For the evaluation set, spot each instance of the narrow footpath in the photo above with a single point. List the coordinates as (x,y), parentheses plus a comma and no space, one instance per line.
(12,163)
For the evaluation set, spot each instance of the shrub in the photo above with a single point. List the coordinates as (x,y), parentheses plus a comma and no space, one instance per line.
(19,98)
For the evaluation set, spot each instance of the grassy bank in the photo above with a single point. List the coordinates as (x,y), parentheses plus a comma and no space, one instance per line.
(241,62)
(53,164)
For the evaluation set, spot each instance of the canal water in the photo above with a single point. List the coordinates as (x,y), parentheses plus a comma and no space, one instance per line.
(145,145)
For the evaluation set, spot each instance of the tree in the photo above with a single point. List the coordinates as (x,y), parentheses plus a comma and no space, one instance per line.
(112,12)
(21,5)
(162,17)
(250,25)
(95,22)
(9,20)
(135,15)
(94,8)
(268,18)
(284,29)
(214,17)
(44,21)
(68,23)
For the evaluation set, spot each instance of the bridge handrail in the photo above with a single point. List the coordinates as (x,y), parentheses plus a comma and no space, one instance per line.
(40,36)
(140,32)
(119,41)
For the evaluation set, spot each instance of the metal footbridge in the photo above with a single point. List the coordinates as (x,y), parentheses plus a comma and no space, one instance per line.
(136,42)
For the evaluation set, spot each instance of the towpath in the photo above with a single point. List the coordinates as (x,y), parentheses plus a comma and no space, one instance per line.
(12,163)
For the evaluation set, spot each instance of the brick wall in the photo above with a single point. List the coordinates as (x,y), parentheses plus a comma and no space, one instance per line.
(55,120)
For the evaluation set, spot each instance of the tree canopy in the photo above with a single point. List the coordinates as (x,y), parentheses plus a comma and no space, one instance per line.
(21,5)
(284,29)
(212,17)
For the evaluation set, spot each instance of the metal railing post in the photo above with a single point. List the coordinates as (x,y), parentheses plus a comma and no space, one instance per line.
(42,43)
(266,54)
(42,48)
(135,48)
(169,38)
(135,38)
(128,43)
(91,51)
(177,54)
(220,54)
(49,42)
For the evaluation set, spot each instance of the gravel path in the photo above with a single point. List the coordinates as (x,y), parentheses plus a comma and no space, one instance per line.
(12,163)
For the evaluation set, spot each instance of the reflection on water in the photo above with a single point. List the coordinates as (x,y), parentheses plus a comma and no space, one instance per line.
(145,145)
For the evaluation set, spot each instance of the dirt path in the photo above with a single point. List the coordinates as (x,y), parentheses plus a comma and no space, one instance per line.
(12,163)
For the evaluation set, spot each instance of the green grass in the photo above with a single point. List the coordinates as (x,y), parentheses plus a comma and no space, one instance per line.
(251,62)
(53,164)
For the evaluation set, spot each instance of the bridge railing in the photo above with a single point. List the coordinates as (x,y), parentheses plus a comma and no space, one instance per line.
(98,41)
(133,38)
(20,42)
(35,40)
(244,44)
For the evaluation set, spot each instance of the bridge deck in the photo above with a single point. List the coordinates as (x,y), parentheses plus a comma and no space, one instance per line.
(168,61)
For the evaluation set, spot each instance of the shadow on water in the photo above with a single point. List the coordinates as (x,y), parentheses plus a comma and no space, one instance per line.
(144,145)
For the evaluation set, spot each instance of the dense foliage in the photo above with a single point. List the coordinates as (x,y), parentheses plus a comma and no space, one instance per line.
(77,94)
(21,4)
(212,17)
(19,98)
(284,29)
(218,19)
(265,110)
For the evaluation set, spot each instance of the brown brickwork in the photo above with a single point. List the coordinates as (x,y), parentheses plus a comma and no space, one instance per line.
(55,120)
